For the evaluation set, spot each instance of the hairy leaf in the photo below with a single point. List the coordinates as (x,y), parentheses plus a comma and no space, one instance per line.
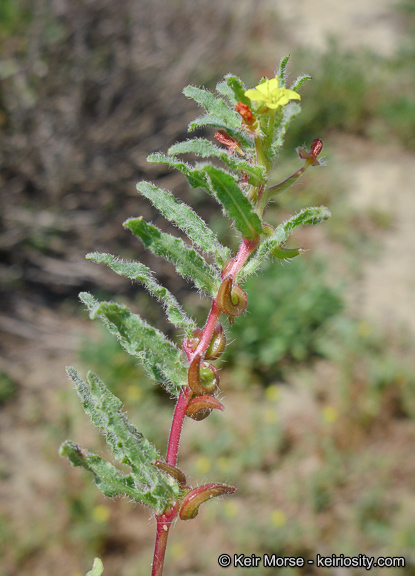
(234,89)
(195,176)
(145,483)
(291,110)
(312,215)
(187,220)
(141,273)
(214,106)
(281,71)
(188,263)
(205,148)
(235,203)
(160,357)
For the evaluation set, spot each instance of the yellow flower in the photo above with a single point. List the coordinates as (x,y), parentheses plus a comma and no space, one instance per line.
(271,94)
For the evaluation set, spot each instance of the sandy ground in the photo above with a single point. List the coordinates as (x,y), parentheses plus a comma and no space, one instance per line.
(378,177)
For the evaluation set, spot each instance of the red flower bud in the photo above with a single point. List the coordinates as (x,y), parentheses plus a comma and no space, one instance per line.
(190,504)
(224,138)
(246,113)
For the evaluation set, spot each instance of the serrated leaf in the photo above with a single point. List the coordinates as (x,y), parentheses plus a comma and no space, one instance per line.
(299,82)
(216,122)
(145,483)
(281,71)
(187,261)
(187,220)
(234,89)
(205,148)
(235,203)
(160,357)
(143,274)
(214,106)
(307,216)
(195,176)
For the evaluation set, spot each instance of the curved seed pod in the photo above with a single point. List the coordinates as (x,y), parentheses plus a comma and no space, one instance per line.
(193,376)
(231,298)
(209,378)
(283,253)
(217,344)
(173,471)
(200,407)
(267,229)
(202,378)
(190,344)
(189,506)
(228,267)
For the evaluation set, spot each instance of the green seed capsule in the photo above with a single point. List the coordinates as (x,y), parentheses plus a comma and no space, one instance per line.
(283,253)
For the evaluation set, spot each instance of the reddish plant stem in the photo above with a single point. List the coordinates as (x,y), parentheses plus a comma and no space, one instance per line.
(163,525)
(164,520)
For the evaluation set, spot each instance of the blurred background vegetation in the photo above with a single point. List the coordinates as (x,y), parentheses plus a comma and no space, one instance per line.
(320,397)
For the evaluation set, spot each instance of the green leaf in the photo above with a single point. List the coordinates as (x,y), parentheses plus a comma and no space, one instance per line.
(235,203)
(307,216)
(234,89)
(291,110)
(145,483)
(195,176)
(97,568)
(140,273)
(299,82)
(215,122)
(188,263)
(205,149)
(215,106)
(187,220)
(159,356)
(281,71)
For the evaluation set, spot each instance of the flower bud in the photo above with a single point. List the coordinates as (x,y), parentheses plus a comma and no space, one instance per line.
(217,344)
(231,298)
(173,471)
(246,113)
(283,253)
(190,504)
(200,407)
(232,144)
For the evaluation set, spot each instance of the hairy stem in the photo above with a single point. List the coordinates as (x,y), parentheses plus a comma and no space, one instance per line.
(164,520)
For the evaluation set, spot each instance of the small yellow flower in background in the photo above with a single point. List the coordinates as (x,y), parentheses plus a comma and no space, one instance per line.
(364,329)
(177,551)
(203,464)
(134,392)
(270,416)
(224,464)
(272,393)
(101,513)
(231,509)
(271,94)
(278,518)
(330,414)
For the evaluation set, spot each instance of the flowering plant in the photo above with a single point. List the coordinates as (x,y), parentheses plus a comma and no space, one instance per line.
(251,136)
